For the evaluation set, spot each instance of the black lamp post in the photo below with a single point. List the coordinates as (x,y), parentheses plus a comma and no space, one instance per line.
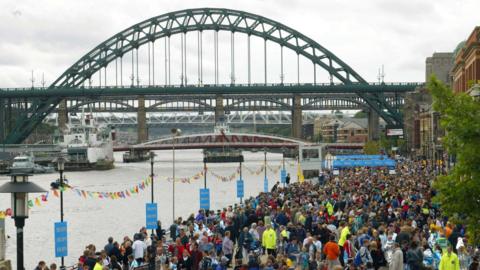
(175,132)
(61,167)
(19,187)
(152,157)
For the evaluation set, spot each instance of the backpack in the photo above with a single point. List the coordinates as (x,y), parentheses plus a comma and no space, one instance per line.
(358,260)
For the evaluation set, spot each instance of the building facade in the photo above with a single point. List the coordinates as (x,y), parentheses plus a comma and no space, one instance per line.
(439,64)
(466,69)
(421,124)
(341,130)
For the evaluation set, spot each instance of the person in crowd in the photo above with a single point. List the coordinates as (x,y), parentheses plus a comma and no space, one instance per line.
(389,219)
(109,246)
(186,262)
(98,264)
(139,247)
(396,262)
(269,240)
(227,248)
(41,265)
(132,263)
(114,265)
(449,260)
(332,252)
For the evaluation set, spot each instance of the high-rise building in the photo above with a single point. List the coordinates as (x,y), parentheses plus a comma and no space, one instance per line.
(466,69)
(439,64)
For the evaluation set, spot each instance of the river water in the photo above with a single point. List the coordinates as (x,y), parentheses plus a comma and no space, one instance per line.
(94,220)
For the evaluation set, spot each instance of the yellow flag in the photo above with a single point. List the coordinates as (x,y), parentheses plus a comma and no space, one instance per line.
(2,214)
(37,201)
(301,178)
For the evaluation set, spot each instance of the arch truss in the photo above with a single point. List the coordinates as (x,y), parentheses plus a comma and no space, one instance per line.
(198,20)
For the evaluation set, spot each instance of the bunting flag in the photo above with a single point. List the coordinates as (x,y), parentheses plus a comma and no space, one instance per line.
(253,172)
(41,199)
(274,169)
(197,176)
(228,178)
(6,213)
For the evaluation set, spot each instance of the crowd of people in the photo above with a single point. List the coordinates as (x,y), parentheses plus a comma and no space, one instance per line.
(364,218)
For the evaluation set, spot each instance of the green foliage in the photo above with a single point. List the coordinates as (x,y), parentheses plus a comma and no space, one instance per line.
(371,148)
(275,130)
(459,191)
(388,142)
(360,114)
(317,138)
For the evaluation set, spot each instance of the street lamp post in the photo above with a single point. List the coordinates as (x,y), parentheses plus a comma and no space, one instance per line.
(152,157)
(61,167)
(19,187)
(283,164)
(265,161)
(175,132)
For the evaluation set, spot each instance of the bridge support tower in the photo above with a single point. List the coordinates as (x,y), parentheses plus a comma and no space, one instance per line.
(142,132)
(62,114)
(219,110)
(297,117)
(373,126)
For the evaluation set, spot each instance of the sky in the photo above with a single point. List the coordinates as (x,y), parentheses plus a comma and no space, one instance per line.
(48,36)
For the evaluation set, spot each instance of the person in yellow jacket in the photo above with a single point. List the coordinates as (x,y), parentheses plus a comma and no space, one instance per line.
(329,207)
(449,260)
(269,240)
(98,265)
(343,238)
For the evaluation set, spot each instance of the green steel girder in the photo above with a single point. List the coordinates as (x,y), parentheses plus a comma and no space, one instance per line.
(199,19)
(274,89)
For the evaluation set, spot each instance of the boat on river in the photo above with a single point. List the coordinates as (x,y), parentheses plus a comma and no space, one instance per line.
(87,145)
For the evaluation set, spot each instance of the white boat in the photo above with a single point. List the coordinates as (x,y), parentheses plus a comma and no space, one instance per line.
(88,145)
(26,164)
(23,164)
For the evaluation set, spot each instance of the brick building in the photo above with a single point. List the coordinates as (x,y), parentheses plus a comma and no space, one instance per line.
(466,69)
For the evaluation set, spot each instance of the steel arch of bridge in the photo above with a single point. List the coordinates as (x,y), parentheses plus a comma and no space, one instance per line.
(217,140)
(200,19)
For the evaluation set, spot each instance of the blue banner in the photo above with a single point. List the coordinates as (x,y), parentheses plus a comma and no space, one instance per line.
(240,188)
(265,185)
(283,176)
(61,239)
(151,215)
(205,198)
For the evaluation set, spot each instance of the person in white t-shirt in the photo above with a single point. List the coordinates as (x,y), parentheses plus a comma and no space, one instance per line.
(139,248)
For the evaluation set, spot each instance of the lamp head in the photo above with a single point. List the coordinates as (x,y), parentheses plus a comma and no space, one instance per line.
(19,187)
(176,131)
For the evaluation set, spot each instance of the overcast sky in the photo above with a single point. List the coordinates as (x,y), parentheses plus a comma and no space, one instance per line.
(50,35)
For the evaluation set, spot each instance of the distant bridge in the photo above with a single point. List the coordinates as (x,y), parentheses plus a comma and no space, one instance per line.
(186,118)
(217,140)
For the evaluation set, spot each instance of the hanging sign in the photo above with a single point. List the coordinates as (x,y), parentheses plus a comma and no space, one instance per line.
(61,241)
(151,216)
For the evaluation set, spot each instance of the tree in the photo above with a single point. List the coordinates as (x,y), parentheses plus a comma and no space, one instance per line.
(360,114)
(459,192)
(371,148)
